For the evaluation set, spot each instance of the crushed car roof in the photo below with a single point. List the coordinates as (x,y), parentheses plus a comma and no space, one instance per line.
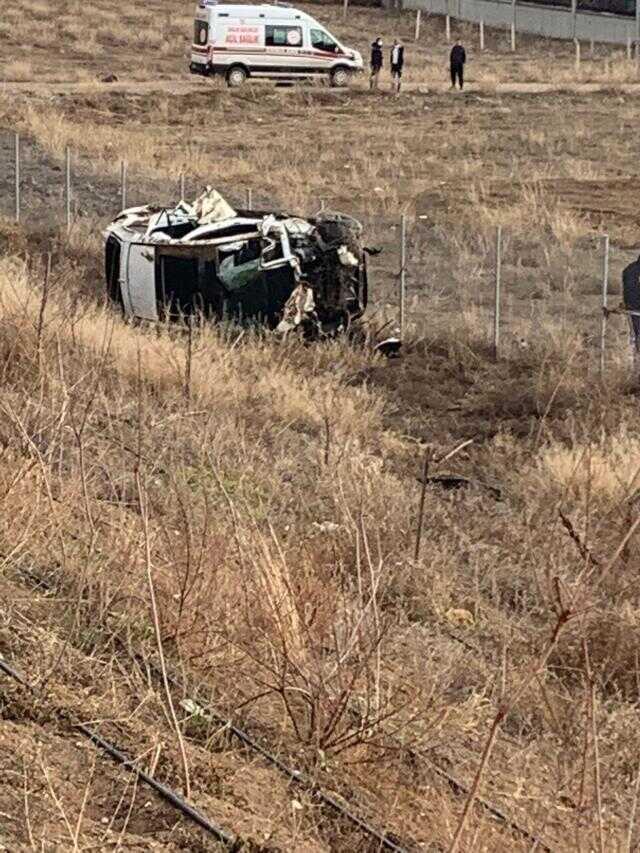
(207,219)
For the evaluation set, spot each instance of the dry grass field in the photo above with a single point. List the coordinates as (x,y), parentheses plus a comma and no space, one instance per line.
(267,495)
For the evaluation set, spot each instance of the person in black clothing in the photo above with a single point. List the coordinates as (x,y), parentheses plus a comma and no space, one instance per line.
(376,63)
(397,63)
(457,60)
(631,301)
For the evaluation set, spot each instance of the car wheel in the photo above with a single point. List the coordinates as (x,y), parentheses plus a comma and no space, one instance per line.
(236,76)
(340,77)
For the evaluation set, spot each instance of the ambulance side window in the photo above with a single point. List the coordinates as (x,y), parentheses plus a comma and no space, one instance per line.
(283,36)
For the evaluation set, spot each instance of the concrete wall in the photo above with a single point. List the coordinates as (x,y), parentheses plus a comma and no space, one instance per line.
(538,20)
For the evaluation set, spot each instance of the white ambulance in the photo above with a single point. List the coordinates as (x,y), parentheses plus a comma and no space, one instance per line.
(267,41)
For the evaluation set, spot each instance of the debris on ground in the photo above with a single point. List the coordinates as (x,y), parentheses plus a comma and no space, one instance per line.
(389,346)
(453,482)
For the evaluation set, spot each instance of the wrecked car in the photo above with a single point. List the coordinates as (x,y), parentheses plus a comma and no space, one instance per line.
(269,268)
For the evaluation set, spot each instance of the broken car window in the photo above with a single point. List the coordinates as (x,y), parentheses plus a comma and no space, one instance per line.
(272,251)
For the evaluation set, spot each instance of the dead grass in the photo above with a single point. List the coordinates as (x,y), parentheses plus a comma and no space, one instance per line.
(605,467)
(282,480)
(277,553)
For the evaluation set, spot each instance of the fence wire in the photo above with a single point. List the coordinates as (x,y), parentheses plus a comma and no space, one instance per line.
(551,283)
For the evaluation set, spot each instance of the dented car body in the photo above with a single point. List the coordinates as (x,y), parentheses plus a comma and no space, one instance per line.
(254,267)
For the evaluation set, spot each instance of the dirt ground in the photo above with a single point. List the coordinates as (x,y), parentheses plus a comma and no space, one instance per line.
(545,153)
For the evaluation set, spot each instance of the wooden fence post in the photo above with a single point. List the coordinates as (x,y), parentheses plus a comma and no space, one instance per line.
(605,288)
(496,298)
(249,199)
(417,33)
(578,57)
(481,35)
(447,27)
(182,186)
(17,176)
(403,278)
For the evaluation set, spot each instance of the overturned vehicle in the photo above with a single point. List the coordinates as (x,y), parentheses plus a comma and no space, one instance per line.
(277,270)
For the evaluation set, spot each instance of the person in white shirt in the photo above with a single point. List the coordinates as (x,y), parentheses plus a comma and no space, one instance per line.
(397,63)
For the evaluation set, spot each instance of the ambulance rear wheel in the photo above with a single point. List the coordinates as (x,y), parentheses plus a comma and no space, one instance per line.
(339,77)
(236,76)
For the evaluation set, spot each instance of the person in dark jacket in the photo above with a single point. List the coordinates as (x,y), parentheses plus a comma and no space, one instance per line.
(457,59)
(397,63)
(631,302)
(376,63)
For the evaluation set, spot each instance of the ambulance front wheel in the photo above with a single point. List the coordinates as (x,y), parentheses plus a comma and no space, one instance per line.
(339,77)
(236,75)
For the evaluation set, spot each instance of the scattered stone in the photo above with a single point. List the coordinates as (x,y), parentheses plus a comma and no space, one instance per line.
(326,526)
(458,616)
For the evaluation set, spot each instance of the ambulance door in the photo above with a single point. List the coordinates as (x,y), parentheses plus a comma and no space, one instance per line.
(323,49)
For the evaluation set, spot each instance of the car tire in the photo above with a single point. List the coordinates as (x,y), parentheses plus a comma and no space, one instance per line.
(236,76)
(339,77)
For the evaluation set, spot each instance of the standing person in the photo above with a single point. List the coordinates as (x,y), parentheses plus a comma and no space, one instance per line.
(397,61)
(631,302)
(376,62)
(457,59)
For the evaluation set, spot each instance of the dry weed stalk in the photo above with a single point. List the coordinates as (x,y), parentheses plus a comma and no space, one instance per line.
(591,687)
(632,815)
(83,806)
(56,799)
(43,307)
(564,613)
(158,632)
(25,801)
(428,460)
